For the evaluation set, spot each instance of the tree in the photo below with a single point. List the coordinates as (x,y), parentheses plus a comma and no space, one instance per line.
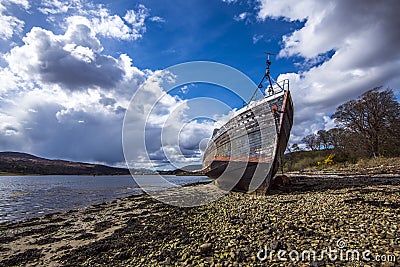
(335,138)
(311,141)
(323,138)
(372,121)
(295,147)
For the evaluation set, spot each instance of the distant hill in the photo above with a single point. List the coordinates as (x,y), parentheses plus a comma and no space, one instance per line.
(23,163)
(188,170)
(192,168)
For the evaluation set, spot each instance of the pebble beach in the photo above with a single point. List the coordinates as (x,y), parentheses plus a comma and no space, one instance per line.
(315,214)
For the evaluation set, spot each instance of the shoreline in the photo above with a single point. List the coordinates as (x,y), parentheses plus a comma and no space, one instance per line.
(315,212)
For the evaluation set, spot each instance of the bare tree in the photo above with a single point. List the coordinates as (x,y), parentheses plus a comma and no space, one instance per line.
(311,141)
(372,119)
(335,138)
(323,138)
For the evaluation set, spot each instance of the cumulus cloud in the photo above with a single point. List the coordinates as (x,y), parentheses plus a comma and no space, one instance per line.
(48,121)
(72,60)
(348,48)
(158,129)
(161,120)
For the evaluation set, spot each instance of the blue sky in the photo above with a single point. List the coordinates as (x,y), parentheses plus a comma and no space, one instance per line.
(194,30)
(68,69)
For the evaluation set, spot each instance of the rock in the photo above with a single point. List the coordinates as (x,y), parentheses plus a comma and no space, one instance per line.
(293,227)
(232,254)
(276,245)
(185,256)
(269,231)
(317,264)
(281,180)
(167,261)
(309,233)
(205,248)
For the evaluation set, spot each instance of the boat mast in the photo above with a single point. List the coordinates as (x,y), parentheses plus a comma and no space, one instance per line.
(267,72)
(266,76)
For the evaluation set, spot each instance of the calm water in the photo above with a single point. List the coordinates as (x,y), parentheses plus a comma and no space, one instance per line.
(23,197)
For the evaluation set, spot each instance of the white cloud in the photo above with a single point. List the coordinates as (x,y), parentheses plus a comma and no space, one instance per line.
(22,3)
(114,26)
(137,18)
(241,16)
(363,38)
(157,19)
(184,89)
(257,37)
(229,1)
(172,137)
(72,60)
(53,7)
(48,121)
(99,18)
(10,24)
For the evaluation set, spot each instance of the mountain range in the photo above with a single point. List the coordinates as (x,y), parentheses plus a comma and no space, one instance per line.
(23,164)
(19,163)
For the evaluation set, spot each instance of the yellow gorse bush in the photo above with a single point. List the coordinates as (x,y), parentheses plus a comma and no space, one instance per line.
(329,159)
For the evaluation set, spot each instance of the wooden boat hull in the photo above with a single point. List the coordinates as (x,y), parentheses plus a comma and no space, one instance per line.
(247,151)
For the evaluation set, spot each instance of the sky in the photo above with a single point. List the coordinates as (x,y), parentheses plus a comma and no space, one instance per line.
(69,69)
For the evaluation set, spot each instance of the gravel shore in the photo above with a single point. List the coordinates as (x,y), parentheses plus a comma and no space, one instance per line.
(360,214)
